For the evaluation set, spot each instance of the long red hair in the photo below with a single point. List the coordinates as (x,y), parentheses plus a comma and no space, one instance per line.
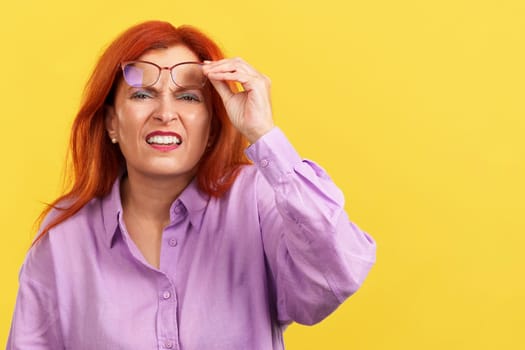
(95,163)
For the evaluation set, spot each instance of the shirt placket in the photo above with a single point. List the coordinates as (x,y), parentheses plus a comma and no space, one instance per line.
(167,321)
(167,315)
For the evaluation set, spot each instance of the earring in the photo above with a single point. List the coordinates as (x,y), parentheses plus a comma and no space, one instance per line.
(113,140)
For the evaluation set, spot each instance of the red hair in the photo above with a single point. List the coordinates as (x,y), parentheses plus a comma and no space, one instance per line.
(95,163)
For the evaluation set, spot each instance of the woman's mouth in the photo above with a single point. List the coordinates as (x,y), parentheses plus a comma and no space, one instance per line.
(164,140)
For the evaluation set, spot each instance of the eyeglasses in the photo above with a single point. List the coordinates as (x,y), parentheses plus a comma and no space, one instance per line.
(187,75)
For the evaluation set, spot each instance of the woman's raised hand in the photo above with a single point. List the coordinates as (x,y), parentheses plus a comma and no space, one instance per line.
(250,110)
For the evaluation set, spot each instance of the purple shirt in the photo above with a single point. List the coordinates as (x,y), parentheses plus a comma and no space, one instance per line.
(234,271)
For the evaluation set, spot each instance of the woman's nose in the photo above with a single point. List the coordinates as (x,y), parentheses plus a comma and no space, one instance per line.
(167,107)
(166,110)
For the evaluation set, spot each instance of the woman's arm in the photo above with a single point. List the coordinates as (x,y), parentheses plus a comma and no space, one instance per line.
(35,323)
(317,257)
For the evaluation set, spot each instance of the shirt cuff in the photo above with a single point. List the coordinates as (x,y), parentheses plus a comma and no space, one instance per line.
(274,156)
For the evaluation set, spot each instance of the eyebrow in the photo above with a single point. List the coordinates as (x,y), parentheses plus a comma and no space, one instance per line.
(136,88)
(179,89)
(151,89)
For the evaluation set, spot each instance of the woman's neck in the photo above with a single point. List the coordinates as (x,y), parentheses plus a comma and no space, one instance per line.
(150,198)
(146,205)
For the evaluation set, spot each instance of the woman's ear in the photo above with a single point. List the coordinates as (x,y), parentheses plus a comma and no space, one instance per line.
(111,123)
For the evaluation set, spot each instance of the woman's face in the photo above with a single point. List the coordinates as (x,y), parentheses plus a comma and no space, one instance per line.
(162,130)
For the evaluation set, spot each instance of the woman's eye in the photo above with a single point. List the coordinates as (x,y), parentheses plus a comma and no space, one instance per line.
(189,97)
(140,95)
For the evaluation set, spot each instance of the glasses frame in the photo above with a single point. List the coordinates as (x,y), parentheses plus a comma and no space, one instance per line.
(160,69)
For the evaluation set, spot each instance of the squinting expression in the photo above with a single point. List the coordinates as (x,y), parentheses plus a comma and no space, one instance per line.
(162,130)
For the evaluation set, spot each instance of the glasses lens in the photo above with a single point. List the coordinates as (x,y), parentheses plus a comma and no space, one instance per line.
(189,75)
(140,74)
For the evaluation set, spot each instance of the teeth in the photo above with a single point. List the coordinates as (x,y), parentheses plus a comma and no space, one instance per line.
(163,140)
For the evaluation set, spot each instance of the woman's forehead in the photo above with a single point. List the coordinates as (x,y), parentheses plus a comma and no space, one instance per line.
(169,56)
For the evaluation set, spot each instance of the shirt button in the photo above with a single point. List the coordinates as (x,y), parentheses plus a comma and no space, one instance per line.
(178,209)
(172,242)
(166,295)
(264,163)
(168,344)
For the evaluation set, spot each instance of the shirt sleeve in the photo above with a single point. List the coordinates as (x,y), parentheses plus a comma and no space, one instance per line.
(35,323)
(317,258)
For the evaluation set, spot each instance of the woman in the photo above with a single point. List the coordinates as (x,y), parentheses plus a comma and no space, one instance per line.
(169,237)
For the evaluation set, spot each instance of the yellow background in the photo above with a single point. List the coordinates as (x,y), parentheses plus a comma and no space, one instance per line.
(416,109)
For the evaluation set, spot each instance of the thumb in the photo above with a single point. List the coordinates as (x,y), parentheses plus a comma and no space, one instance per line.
(222,89)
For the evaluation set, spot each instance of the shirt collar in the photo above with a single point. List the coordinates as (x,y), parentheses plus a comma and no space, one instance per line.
(193,200)
(111,209)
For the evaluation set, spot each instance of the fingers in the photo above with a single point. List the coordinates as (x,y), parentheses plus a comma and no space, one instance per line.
(230,65)
(233,69)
